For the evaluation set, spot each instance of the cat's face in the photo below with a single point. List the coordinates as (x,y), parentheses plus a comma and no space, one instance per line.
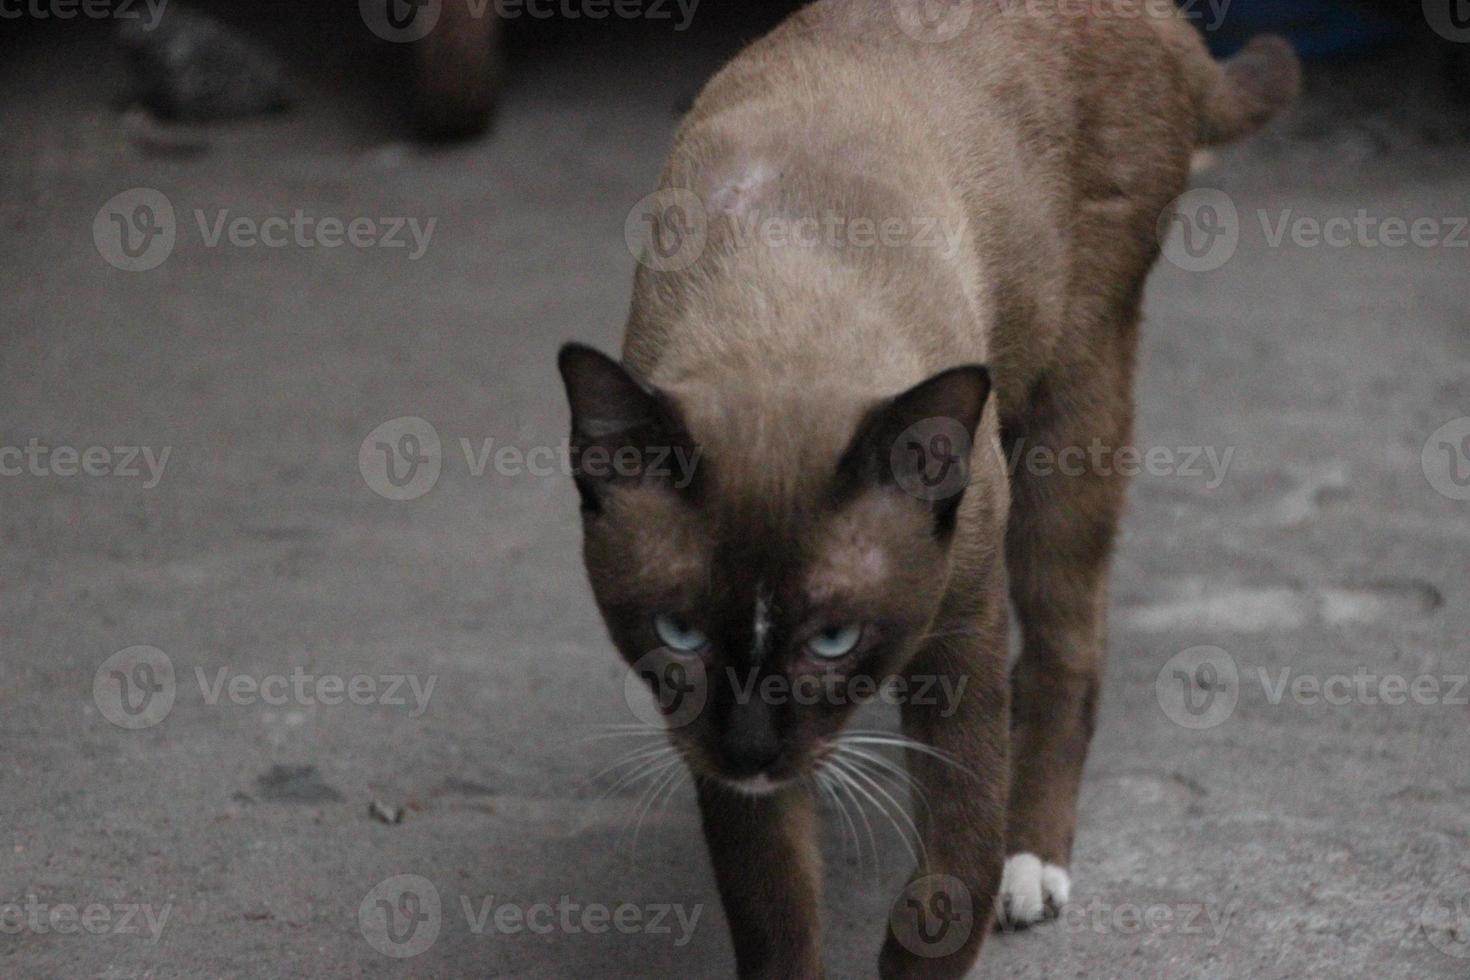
(761,599)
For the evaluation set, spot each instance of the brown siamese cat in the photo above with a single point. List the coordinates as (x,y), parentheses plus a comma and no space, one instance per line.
(887,249)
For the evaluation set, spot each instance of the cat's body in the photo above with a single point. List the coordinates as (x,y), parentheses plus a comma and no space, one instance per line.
(1020,169)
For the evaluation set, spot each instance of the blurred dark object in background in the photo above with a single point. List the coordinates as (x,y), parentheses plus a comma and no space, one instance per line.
(435,68)
(1451,25)
(188,67)
(1329,29)
(457,72)
(192,67)
(1317,28)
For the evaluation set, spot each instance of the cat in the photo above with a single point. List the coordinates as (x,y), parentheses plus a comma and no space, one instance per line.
(849,389)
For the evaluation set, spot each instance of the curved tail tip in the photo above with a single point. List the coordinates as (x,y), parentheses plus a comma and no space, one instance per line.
(1266,75)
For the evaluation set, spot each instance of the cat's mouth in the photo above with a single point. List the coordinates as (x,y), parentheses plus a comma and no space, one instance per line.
(761,784)
(777,777)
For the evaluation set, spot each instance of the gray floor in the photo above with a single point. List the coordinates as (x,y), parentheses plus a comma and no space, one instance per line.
(1290,838)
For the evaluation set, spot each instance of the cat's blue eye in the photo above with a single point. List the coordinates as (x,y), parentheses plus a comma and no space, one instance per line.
(675,633)
(835,641)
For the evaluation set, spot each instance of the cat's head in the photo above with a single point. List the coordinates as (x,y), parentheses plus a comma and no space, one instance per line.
(765,573)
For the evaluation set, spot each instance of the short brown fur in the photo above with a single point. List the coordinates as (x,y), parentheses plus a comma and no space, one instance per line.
(1055,141)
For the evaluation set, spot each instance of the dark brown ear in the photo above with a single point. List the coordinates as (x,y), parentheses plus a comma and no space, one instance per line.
(623,430)
(919,442)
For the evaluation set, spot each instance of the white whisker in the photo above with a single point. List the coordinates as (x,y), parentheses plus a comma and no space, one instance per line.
(892,770)
(859,787)
(637,755)
(588,738)
(845,781)
(659,786)
(826,779)
(643,771)
(904,742)
(900,808)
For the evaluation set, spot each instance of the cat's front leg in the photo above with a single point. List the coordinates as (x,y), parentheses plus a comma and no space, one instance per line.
(768,868)
(940,919)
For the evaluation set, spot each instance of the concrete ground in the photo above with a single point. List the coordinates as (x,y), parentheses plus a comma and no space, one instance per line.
(1286,821)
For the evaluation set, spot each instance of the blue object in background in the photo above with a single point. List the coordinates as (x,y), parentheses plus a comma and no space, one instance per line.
(1318,28)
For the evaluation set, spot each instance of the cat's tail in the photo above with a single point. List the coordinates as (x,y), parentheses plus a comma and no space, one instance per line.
(1236,96)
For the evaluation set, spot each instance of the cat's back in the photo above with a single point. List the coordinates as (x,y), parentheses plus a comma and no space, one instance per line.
(1046,129)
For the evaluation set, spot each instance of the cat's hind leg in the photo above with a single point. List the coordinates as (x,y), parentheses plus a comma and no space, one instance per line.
(1065,507)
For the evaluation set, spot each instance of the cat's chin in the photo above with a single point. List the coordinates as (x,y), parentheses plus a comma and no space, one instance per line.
(757,785)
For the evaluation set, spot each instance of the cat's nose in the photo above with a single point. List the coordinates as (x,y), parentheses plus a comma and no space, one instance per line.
(750,744)
(750,757)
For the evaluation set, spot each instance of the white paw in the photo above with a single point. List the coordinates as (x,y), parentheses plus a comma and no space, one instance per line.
(1030,891)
